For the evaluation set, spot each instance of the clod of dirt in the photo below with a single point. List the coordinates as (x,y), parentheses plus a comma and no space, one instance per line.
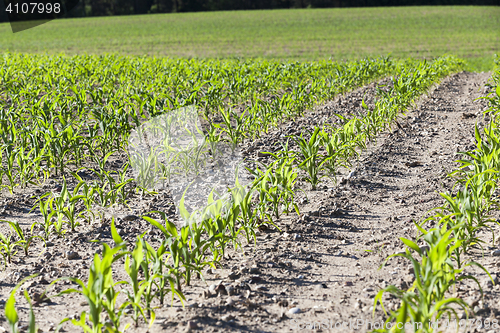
(72,255)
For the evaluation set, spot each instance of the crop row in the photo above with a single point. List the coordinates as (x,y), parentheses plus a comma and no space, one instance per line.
(57,113)
(439,263)
(202,241)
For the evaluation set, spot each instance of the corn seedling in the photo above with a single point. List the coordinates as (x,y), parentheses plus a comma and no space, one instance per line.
(248,216)
(7,247)
(10,170)
(133,263)
(174,246)
(100,291)
(275,186)
(425,302)
(156,258)
(11,312)
(309,159)
(24,241)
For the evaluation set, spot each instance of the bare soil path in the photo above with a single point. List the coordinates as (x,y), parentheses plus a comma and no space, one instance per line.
(324,266)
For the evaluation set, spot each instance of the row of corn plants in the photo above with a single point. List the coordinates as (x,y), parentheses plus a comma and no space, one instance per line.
(321,152)
(58,113)
(156,272)
(439,263)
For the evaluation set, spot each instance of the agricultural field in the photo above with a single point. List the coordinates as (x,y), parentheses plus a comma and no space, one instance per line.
(470,32)
(307,177)
(279,193)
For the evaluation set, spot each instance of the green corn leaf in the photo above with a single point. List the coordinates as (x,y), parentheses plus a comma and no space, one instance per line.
(10,310)
(363,104)
(411,244)
(116,237)
(32,323)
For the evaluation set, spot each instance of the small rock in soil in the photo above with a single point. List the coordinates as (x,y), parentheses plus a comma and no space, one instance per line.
(44,281)
(255,278)
(221,289)
(130,218)
(283,303)
(71,255)
(192,325)
(212,288)
(254,270)
(227,317)
(40,297)
(294,310)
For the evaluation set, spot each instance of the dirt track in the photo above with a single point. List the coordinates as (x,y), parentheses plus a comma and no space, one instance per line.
(326,261)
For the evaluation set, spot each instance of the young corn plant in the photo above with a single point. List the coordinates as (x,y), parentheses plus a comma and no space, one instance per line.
(478,177)
(28,166)
(149,279)
(57,205)
(309,158)
(122,182)
(426,301)
(176,248)
(108,190)
(11,312)
(133,265)
(148,167)
(198,248)
(156,259)
(87,197)
(24,241)
(10,170)
(45,207)
(275,186)
(100,291)
(340,146)
(248,215)
(7,247)
(471,218)
(70,210)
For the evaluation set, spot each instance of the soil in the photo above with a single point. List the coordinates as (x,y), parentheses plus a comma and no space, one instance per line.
(324,264)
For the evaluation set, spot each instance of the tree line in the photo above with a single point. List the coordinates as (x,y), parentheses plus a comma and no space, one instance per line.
(128,7)
(85,8)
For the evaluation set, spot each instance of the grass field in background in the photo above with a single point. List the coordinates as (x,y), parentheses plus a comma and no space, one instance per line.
(307,34)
